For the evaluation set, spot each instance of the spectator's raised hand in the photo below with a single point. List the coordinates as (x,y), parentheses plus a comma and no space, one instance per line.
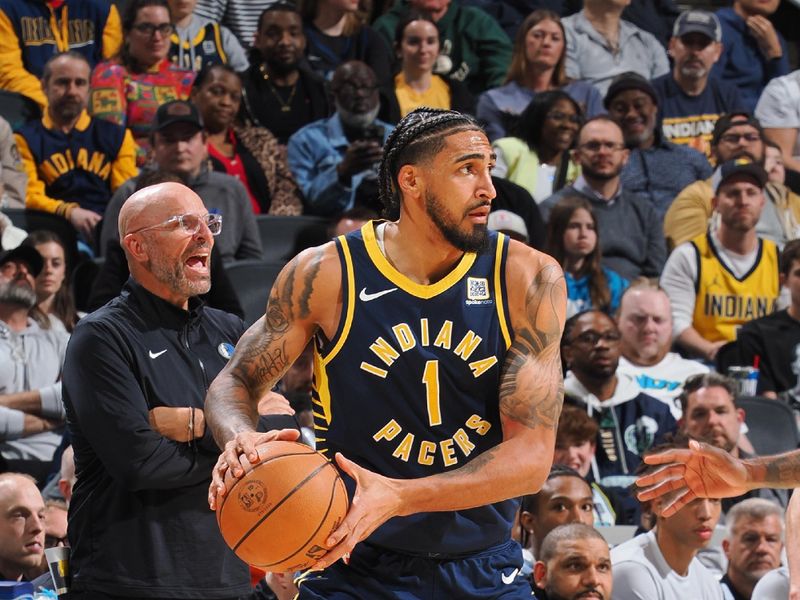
(762,29)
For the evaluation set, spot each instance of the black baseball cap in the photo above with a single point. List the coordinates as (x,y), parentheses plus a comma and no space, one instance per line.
(738,166)
(734,119)
(177,111)
(629,81)
(24,254)
(698,21)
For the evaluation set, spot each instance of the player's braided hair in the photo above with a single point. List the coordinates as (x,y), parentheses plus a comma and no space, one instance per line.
(417,136)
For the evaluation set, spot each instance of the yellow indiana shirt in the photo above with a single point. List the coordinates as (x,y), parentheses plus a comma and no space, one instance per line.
(724,301)
(436,96)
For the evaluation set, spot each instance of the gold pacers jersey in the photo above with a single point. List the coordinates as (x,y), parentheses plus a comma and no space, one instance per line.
(724,301)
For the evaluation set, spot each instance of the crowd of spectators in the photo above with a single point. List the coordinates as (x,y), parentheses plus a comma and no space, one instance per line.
(654,154)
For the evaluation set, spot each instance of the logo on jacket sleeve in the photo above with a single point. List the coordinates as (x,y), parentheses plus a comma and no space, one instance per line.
(225,350)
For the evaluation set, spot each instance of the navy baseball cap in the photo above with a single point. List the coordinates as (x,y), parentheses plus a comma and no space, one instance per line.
(738,166)
(698,21)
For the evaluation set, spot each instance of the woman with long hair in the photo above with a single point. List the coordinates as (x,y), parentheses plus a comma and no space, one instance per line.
(128,89)
(251,154)
(573,241)
(54,297)
(416,46)
(337,31)
(537,65)
(537,156)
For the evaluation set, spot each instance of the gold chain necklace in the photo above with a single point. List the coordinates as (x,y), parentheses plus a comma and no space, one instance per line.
(286,106)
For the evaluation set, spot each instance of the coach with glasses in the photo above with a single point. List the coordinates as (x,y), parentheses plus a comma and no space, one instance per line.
(135,380)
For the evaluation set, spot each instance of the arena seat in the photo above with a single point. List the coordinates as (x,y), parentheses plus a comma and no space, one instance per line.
(772,425)
(252,280)
(283,237)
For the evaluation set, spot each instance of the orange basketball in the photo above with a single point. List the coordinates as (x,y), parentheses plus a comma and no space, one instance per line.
(279,514)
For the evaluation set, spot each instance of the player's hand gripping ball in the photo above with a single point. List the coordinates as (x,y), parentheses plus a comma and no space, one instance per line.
(279,514)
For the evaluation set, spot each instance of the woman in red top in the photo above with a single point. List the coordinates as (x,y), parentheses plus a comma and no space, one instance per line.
(251,154)
(129,89)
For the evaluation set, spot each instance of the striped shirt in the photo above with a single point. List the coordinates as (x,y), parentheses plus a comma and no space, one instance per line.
(240,17)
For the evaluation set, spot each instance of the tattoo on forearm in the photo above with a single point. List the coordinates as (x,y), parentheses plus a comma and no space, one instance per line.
(784,470)
(473,466)
(531,388)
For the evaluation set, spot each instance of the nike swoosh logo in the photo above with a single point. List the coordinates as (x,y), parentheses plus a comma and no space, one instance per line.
(365,297)
(156,354)
(509,579)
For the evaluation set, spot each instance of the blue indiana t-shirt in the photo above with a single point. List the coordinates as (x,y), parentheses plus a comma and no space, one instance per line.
(689,120)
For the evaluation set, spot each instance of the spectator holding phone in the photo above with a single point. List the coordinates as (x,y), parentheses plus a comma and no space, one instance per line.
(335,160)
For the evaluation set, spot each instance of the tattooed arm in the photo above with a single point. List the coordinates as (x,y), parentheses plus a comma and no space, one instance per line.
(530,397)
(306,296)
(703,471)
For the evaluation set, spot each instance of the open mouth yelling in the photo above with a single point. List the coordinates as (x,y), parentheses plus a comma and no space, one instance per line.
(199,263)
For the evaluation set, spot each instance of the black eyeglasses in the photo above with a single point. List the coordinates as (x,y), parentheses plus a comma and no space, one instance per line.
(189,223)
(150,29)
(733,138)
(51,541)
(590,338)
(596,146)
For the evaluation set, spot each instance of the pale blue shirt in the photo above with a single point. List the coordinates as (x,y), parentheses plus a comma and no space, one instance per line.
(589,56)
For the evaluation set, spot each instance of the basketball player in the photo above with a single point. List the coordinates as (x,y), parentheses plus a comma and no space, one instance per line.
(437,378)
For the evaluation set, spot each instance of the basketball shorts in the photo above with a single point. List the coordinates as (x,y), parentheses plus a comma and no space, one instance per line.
(378,573)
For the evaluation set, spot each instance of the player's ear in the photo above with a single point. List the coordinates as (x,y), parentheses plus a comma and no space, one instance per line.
(409,182)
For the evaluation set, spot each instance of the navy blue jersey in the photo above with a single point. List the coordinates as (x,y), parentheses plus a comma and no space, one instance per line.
(408,386)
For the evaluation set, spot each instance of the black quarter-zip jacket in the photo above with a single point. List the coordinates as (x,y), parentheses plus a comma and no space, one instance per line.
(139,522)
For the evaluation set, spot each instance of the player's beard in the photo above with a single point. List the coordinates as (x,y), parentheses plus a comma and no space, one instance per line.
(476,240)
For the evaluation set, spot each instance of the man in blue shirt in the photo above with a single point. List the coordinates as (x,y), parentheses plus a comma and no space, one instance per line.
(689,100)
(335,160)
(753,51)
(656,169)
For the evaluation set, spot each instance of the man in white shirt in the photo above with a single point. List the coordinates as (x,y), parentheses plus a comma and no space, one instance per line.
(724,278)
(645,322)
(662,563)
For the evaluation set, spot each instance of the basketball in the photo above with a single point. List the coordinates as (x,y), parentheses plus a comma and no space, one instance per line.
(279,514)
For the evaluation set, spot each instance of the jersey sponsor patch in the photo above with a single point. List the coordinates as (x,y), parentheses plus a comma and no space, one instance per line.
(478,290)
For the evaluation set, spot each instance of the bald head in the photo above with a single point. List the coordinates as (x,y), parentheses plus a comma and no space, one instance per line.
(164,232)
(142,207)
(21,525)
